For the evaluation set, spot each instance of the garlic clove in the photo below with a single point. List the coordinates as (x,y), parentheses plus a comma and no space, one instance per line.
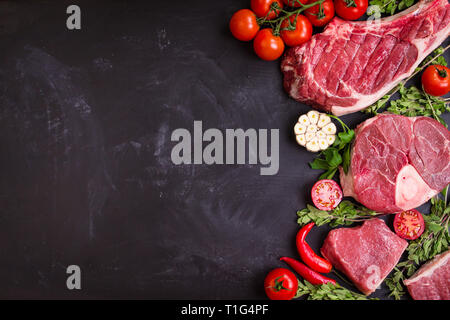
(323,144)
(324,119)
(313,116)
(321,135)
(310,135)
(304,120)
(311,128)
(299,128)
(330,139)
(313,145)
(329,128)
(301,140)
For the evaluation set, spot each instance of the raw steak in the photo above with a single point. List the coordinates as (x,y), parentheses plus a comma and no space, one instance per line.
(397,163)
(352,64)
(365,254)
(432,280)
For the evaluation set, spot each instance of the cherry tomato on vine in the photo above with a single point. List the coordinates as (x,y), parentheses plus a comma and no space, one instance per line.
(302,32)
(350,9)
(267,45)
(320,14)
(280,284)
(436,80)
(243,25)
(295,3)
(409,224)
(262,8)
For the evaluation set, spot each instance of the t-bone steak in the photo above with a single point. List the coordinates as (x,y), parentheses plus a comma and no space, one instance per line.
(432,280)
(365,254)
(352,64)
(397,163)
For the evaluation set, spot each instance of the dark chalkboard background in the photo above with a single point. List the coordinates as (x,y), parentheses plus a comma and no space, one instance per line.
(86,176)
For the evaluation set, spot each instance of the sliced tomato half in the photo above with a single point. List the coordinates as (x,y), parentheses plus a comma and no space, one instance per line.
(326,194)
(409,224)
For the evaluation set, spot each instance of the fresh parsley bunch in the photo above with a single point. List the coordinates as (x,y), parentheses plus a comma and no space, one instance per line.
(388,6)
(414,102)
(327,291)
(345,213)
(435,58)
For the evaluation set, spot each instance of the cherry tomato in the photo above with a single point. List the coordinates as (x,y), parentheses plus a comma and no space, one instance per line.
(350,9)
(281,284)
(436,80)
(262,7)
(320,14)
(295,3)
(301,34)
(243,25)
(409,224)
(326,194)
(268,46)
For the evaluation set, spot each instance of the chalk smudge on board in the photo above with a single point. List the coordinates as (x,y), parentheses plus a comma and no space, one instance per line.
(163,41)
(74,140)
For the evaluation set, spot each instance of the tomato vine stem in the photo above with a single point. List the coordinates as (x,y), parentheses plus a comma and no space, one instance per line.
(276,23)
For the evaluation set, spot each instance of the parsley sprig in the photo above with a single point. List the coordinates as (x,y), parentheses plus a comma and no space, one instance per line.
(433,241)
(414,102)
(327,291)
(388,6)
(435,58)
(345,213)
(338,154)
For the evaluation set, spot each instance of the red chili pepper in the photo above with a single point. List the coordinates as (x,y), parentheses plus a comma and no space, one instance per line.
(307,254)
(308,274)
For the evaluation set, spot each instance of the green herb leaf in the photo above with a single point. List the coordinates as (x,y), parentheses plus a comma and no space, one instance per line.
(319,164)
(327,292)
(414,102)
(332,157)
(388,6)
(345,213)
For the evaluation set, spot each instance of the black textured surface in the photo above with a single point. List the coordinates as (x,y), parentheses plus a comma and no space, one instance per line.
(86,176)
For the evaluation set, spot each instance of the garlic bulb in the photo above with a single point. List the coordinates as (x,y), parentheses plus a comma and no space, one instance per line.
(315,131)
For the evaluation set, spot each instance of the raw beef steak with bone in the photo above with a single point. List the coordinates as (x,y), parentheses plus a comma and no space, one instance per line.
(352,64)
(397,163)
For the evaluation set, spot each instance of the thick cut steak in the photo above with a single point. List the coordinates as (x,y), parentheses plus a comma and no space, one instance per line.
(365,254)
(352,64)
(432,280)
(397,163)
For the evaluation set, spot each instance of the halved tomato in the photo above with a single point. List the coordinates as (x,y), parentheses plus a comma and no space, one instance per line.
(326,194)
(409,224)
